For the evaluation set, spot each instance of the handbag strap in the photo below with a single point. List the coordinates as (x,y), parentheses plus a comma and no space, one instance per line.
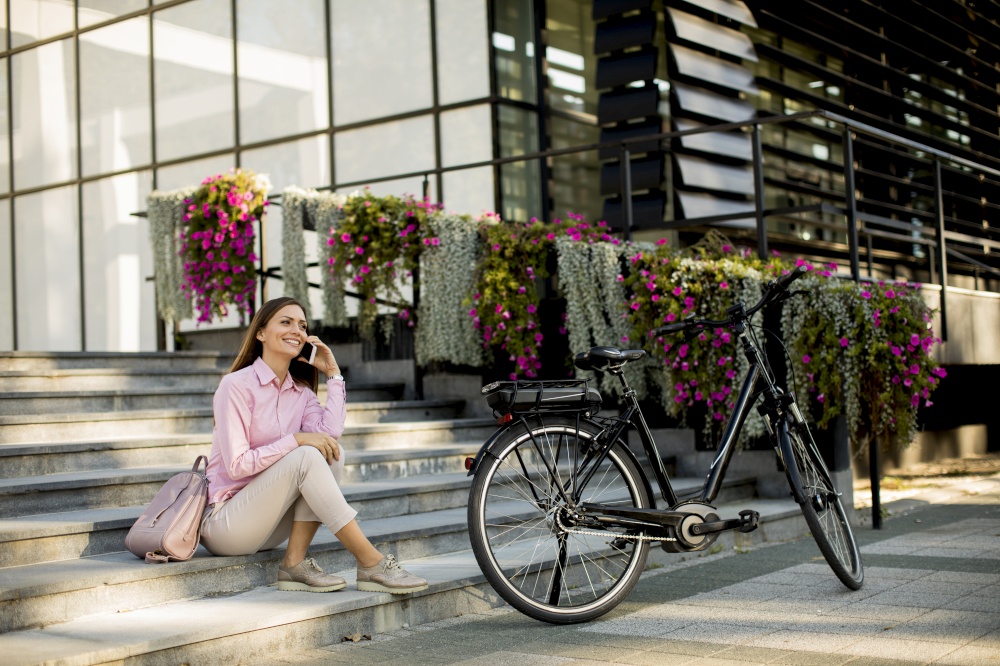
(156,557)
(197,464)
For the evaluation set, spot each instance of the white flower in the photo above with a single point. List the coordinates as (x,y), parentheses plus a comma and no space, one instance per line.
(166,211)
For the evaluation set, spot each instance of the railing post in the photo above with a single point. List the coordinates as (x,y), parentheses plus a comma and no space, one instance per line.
(941,249)
(876,478)
(626,178)
(758,192)
(851,207)
(418,373)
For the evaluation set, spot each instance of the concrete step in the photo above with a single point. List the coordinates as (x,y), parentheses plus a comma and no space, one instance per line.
(251,624)
(36,460)
(108,379)
(26,403)
(26,460)
(145,399)
(397,411)
(69,534)
(84,426)
(136,486)
(144,361)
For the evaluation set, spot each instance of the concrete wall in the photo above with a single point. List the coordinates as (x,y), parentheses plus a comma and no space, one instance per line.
(973,325)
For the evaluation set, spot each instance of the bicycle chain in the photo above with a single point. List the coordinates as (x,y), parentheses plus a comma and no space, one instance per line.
(633,537)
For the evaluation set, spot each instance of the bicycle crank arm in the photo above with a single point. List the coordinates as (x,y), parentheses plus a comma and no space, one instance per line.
(747,522)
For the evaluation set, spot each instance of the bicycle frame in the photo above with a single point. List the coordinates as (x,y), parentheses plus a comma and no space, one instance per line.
(756,382)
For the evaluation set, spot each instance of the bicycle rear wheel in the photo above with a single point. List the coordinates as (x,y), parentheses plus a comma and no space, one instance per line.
(517,522)
(825,515)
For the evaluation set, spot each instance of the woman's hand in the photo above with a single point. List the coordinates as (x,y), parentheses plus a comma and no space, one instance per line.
(325,361)
(328,446)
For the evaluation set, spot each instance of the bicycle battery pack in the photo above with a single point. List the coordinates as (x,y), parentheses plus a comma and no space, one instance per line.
(542,396)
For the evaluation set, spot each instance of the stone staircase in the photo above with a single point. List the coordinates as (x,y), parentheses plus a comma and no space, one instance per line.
(87,439)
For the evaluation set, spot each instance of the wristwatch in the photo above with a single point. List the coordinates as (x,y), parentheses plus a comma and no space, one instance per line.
(338,376)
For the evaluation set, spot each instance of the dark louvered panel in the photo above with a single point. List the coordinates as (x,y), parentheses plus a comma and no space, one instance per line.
(627,103)
(647,174)
(647,210)
(628,107)
(622,69)
(617,34)
(607,8)
(635,130)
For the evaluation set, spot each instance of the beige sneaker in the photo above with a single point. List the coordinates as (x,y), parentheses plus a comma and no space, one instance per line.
(388,576)
(306,576)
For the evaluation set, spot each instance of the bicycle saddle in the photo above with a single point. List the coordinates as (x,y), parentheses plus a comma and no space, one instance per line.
(603,358)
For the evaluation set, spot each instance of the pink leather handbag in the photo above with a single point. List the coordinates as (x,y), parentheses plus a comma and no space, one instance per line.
(170,527)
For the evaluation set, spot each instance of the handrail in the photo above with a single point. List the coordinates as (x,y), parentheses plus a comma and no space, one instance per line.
(934,157)
(721,127)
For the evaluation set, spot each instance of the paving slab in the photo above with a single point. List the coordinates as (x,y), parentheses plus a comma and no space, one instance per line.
(776,604)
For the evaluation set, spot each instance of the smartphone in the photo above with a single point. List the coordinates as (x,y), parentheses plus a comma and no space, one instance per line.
(308,352)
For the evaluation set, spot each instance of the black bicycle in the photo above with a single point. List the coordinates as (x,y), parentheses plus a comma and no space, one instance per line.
(561,514)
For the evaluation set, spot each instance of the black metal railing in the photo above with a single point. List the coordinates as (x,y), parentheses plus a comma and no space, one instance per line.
(886,230)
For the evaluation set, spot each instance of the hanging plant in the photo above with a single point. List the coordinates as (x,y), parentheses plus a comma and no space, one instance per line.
(324,209)
(589,279)
(166,212)
(864,351)
(447,271)
(375,244)
(702,374)
(217,241)
(504,307)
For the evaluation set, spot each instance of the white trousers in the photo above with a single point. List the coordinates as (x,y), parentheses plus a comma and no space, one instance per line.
(299,487)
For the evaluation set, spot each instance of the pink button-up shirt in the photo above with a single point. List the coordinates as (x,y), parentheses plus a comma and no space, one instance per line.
(256,421)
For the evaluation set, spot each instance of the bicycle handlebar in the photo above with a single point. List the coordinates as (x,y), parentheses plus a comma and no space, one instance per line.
(774,287)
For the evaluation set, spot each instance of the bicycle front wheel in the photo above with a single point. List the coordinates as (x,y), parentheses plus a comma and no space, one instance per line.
(518,527)
(825,515)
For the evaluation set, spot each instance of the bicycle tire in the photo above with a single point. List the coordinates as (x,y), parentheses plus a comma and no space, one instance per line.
(825,515)
(520,545)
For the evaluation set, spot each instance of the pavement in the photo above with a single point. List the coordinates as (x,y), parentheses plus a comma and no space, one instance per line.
(931,596)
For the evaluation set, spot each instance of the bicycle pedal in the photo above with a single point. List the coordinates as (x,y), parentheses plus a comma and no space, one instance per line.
(749,520)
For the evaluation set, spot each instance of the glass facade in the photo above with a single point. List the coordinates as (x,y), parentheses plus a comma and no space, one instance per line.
(102,101)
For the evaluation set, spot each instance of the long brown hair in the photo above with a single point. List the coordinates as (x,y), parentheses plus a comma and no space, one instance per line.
(251,348)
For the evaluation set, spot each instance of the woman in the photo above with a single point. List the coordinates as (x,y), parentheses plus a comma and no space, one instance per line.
(276,462)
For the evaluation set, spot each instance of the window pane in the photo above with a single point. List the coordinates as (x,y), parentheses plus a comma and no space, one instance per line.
(98,11)
(466,135)
(4,131)
(120,303)
(520,182)
(185,174)
(403,146)
(399,187)
(48,286)
(469,191)
(576,177)
(571,63)
(514,49)
(6,280)
(193,49)
(462,50)
(282,68)
(44,122)
(114,97)
(31,20)
(3,25)
(305,163)
(381,58)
